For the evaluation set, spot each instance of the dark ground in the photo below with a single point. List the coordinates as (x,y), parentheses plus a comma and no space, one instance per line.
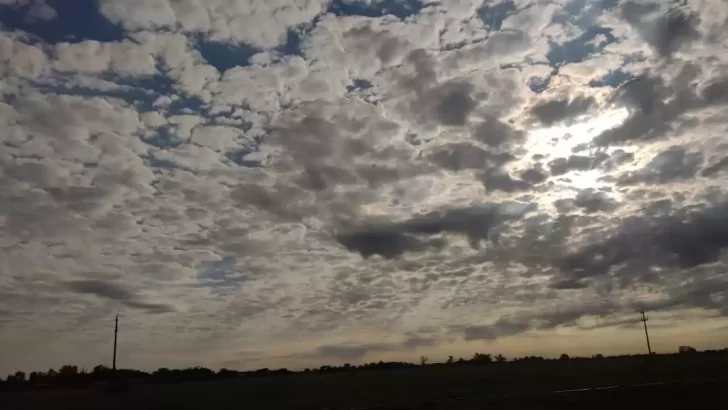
(679,382)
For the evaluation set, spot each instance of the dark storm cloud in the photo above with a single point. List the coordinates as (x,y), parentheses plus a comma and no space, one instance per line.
(684,239)
(449,103)
(476,223)
(540,321)
(552,112)
(461,155)
(495,133)
(497,179)
(716,92)
(454,102)
(665,32)
(533,176)
(319,177)
(718,167)
(708,293)
(387,242)
(643,93)
(117,293)
(674,164)
(591,200)
(615,159)
(657,107)
(561,166)
(424,75)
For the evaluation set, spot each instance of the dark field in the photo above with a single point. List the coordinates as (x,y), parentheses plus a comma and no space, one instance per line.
(677,381)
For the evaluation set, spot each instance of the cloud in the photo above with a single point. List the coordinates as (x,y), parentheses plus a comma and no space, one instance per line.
(117,293)
(494,133)
(349,352)
(545,320)
(499,180)
(390,240)
(665,31)
(555,111)
(683,239)
(219,20)
(675,163)
(356,352)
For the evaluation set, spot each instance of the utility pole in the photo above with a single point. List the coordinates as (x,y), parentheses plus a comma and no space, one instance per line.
(116,330)
(647,335)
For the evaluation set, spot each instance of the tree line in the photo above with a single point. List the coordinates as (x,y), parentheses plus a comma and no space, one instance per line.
(72,376)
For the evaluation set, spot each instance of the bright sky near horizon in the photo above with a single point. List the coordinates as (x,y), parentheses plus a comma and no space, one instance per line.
(292,183)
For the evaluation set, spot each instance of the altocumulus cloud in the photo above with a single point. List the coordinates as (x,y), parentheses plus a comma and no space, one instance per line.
(336,180)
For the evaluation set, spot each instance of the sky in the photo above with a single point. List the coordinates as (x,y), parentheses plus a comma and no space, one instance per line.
(293,183)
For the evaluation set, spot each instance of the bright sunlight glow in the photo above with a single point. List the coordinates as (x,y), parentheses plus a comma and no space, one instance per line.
(560,141)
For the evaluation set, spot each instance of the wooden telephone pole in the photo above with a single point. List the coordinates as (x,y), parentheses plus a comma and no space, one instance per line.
(647,335)
(116,331)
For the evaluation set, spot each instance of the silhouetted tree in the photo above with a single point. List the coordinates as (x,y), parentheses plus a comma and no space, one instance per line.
(68,372)
(482,358)
(16,378)
(598,356)
(424,360)
(226,373)
(450,359)
(564,356)
(686,349)
(500,358)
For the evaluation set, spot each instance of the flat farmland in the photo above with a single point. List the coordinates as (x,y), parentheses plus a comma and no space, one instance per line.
(670,382)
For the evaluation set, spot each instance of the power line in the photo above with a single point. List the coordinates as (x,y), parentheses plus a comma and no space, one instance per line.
(647,335)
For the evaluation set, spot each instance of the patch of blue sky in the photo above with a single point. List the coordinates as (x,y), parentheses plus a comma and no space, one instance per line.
(75,21)
(220,273)
(140,98)
(583,14)
(614,78)
(238,157)
(539,85)
(223,55)
(493,14)
(398,8)
(580,48)
(141,91)
(292,46)
(152,161)
(163,138)
(359,84)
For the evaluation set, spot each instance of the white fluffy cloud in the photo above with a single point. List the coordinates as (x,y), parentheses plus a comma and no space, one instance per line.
(234,21)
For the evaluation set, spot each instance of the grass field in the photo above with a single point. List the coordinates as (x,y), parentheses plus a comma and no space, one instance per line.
(695,381)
